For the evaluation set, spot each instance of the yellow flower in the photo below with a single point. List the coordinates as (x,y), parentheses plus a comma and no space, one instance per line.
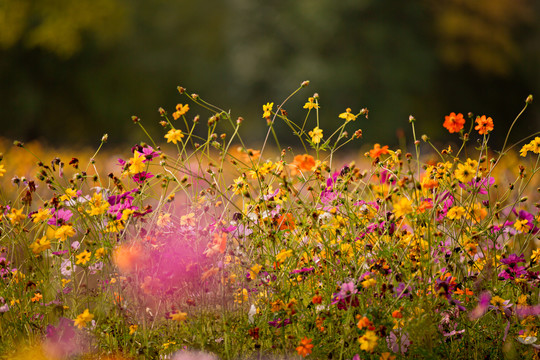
(347,115)
(83,319)
(535,256)
(174,135)
(97,205)
(137,162)
(522,225)
(41,215)
(283,254)
(132,329)
(178,316)
(316,135)
(180,110)
(163,220)
(83,257)
(241,296)
(2,170)
(369,282)
(455,212)
(368,341)
(168,343)
(40,245)
(70,193)
(267,110)
(465,173)
(533,146)
(63,232)
(187,220)
(402,207)
(16,216)
(239,186)
(311,104)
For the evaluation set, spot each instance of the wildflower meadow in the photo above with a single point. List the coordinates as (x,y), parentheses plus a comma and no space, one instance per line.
(198,246)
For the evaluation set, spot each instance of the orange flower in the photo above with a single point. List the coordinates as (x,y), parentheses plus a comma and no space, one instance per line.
(128,257)
(364,322)
(317,299)
(217,245)
(424,206)
(397,314)
(286,222)
(378,151)
(454,123)
(305,347)
(485,125)
(304,162)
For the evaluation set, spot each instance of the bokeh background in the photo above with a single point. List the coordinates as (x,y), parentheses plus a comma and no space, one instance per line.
(72,70)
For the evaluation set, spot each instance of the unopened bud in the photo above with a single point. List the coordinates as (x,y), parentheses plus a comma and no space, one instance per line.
(180,89)
(104,138)
(135,119)
(195,96)
(416,142)
(223,136)
(425,138)
(18,143)
(163,123)
(523,199)
(239,120)
(196,119)
(305,83)
(411,119)
(162,111)
(529,99)
(316,96)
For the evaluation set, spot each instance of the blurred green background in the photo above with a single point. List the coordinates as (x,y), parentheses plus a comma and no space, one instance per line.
(72,70)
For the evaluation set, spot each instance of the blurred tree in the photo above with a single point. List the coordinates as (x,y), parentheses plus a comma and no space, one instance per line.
(60,25)
(73,70)
(480,33)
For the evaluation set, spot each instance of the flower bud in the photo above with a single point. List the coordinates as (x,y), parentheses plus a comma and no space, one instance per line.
(411,119)
(305,83)
(18,143)
(180,89)
(529,99)
(104,138)
(135,119)
(162,111)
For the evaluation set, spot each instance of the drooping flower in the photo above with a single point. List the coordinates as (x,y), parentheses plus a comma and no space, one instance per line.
(180,110)
(311,104)
(485,125)
(267,110)
(347,115)
(316,135)
(454,123)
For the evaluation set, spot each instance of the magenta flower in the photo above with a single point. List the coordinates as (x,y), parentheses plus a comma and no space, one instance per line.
(60,217)
(482,307)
